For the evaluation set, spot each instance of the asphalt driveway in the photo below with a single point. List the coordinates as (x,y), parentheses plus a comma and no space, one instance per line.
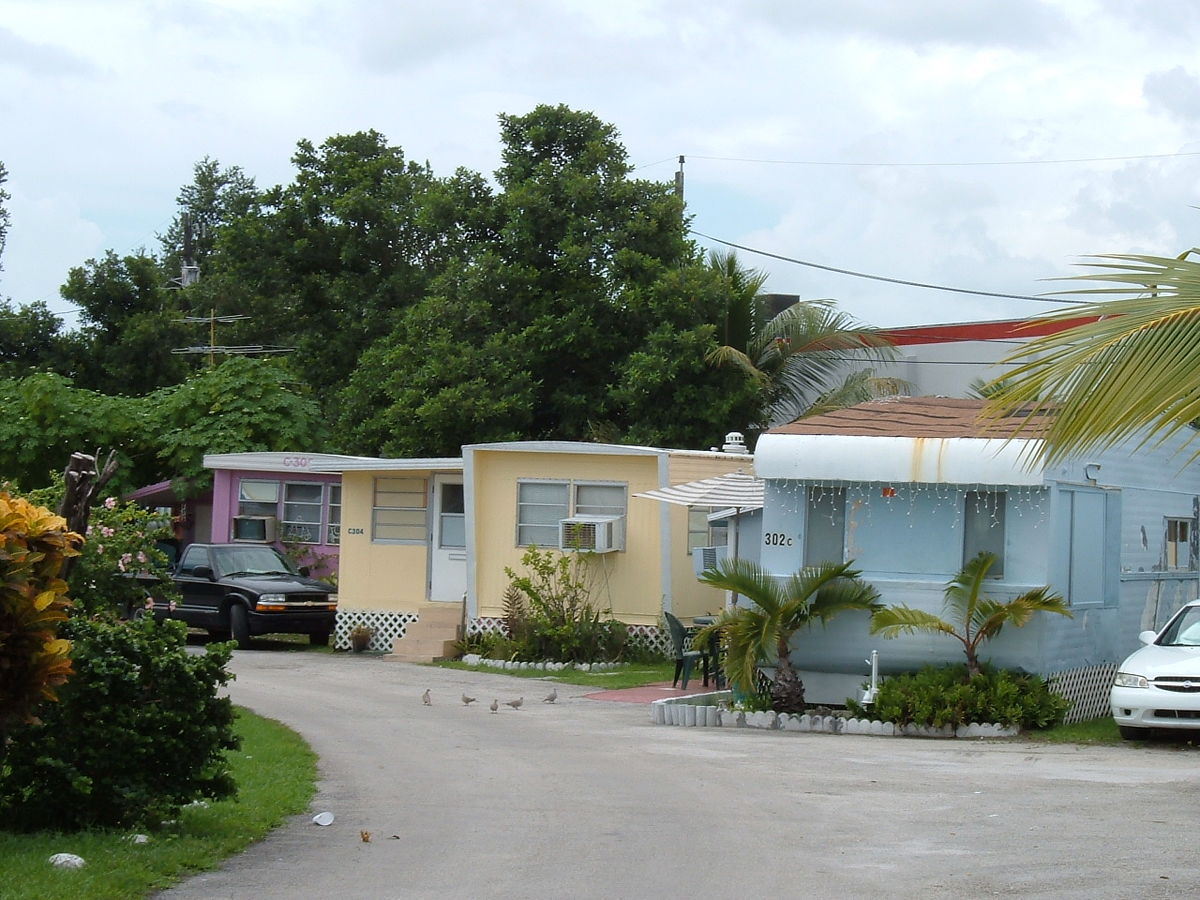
(588,799)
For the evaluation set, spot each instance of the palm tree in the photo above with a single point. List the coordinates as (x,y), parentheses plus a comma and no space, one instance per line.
(798,353)
(1135,370)
(762,633)
(972,618)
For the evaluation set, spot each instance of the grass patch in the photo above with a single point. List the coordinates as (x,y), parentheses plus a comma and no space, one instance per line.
(276,774)
(1093,731)
(634,675)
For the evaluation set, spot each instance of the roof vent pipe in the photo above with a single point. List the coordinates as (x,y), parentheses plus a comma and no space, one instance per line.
(735,443)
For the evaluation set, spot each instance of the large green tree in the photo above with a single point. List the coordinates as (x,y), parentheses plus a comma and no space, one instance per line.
(1131,372)
(129,323)
(584,314)
(215,197)
(33,338)
(325,265)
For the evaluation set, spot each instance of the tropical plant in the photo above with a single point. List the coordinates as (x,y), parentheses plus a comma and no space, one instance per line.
(949,695)
(797,355)
(550,613)
(34,660)
(1132,368)
(761,634)
(971,617)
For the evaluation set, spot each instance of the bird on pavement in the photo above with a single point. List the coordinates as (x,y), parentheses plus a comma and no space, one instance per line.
(425,698)
(495,705)
(515,704)
(467,701)
(552,696)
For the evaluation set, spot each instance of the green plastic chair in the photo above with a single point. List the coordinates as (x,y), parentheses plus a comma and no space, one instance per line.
(685,659)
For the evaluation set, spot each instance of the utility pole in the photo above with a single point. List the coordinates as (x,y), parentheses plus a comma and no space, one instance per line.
(679,180)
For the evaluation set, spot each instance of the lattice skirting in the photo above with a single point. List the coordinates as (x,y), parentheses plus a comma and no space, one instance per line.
(1087,688)
(388,624)
(646,637)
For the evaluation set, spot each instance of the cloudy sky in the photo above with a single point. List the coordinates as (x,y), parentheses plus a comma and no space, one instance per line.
(986,145)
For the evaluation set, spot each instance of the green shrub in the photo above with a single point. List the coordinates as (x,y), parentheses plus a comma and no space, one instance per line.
(549,613)
(943,695)
(138,731)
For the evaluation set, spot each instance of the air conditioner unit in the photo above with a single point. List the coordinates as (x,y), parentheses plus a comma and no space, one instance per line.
(595,534)
(255,529)
(707,557)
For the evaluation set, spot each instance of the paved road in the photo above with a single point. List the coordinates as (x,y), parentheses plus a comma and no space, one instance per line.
(587,799)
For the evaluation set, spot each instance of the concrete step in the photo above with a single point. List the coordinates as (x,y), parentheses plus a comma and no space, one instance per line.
(413,648)
(450,614)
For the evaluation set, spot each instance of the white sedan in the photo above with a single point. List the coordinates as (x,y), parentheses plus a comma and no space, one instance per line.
(1158,686)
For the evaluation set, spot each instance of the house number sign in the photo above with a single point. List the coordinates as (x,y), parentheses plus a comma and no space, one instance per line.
(777,539)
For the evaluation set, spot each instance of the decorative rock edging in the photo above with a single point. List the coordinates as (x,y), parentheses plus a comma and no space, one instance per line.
(692,711)
(474,659)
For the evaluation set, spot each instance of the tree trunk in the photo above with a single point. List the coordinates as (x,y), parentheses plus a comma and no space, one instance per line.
(81,482)
(787,692)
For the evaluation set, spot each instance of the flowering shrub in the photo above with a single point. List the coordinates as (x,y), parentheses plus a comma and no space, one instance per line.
(119,543)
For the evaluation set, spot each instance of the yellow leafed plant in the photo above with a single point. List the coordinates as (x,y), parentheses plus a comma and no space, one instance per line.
(34,544)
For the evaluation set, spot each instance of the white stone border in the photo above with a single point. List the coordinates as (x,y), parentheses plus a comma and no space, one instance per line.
(687,711)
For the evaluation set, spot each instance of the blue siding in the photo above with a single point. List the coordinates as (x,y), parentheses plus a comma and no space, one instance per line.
(1099,543)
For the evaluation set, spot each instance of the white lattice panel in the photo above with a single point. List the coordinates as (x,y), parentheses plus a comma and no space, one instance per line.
(487,625)
(388,624)
(1087,688)
(651,637)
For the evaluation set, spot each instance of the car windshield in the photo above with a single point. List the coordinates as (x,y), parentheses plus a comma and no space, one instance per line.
(251,561)
(1184,629)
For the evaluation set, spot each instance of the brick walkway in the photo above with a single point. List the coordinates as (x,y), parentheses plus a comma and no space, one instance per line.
(648,693)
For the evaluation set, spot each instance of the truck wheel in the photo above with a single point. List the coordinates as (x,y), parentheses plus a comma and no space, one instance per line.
(319,640)
(239,626)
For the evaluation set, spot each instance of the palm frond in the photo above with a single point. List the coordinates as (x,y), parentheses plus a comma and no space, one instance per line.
(894,620)
(1134,373)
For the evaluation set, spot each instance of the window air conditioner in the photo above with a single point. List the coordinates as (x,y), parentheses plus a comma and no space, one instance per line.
(595,534)
(707,557)
(255,529)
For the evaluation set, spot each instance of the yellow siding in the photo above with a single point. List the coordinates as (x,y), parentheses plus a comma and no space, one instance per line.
(629,581)
(370,575)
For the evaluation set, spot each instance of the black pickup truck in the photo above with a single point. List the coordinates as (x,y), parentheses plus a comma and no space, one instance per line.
(244,590)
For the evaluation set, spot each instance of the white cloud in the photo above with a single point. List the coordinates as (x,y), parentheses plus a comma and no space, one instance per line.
(110,105)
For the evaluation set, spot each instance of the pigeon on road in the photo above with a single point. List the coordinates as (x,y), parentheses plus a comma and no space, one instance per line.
(495,705)
(467,701)
(515,704)
(552,696)
(425,698)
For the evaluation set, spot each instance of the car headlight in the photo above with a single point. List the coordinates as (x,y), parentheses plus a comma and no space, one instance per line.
(1125,679)
(273,598)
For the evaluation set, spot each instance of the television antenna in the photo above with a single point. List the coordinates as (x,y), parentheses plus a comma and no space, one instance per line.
(213,348)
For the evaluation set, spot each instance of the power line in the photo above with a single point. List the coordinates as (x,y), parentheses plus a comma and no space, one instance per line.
(901,281)
(930,165)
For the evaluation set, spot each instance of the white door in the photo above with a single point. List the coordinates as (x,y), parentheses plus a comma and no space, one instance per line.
(448,550)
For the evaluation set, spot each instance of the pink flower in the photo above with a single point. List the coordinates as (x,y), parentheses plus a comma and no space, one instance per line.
(141,557)
(171,606)
(110,503)
(149,603)
(106,531)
